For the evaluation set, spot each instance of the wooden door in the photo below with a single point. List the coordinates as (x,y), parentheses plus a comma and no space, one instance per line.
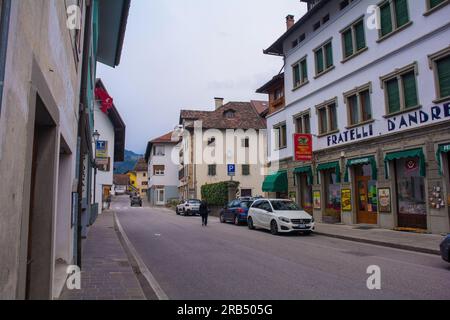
(363,206)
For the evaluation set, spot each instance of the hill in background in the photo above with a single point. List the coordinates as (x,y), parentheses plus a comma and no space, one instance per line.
(130,161)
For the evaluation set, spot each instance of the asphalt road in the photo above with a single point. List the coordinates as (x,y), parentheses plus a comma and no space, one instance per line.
(227,262)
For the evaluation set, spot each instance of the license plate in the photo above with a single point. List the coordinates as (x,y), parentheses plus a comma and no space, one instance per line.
(302,226)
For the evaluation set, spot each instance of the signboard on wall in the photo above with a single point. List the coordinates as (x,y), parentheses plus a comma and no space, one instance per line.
(346,200)
(303,147)
(316,200)
(384,198)
(101,149)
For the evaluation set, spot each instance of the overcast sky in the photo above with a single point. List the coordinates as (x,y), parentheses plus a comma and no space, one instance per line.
(180,54)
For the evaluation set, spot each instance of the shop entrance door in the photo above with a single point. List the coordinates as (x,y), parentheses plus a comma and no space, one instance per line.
(365,213)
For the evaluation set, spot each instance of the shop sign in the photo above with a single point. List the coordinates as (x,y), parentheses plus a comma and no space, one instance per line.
(346,200)
(303,147)
(350,135)
(101,149)
(436,113)
(384,198)
(411,165)
(316,200)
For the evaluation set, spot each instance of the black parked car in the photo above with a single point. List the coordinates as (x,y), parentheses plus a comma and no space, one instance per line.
(445,249)
(136,201)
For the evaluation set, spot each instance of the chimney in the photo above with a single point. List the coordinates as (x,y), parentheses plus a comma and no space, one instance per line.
(290,21)
(219,102)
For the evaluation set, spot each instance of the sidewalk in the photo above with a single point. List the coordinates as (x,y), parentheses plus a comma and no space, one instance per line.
(107,273)
(425,243)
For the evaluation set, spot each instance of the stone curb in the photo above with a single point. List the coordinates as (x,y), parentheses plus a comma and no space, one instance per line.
(381,243)
(138,263)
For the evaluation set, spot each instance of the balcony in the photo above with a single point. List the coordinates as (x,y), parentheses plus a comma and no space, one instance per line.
(276,105)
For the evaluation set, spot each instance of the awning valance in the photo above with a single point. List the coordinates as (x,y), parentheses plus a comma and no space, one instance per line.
(305,170)
(331,166)
(277,182)
(442,149)
(365,160)
(414,153)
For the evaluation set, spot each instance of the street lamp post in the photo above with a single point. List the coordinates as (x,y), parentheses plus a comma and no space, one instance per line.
(96,136)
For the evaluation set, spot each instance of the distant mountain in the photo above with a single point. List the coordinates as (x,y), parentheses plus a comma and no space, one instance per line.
(130,161)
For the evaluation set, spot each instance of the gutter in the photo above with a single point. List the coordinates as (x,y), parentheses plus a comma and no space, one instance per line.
(4,27)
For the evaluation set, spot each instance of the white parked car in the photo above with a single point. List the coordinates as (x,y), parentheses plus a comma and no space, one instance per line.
(279,216)
(189,207)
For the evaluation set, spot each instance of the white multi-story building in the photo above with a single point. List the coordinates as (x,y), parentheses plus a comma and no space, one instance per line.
(371,83)
(162,159)
(110,148)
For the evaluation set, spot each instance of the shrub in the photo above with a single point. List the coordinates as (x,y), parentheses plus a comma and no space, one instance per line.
(216,194)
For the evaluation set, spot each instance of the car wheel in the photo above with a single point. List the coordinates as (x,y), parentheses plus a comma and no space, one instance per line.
(236,220)
(250,224)
(222,219)
(274,228)
(177,211)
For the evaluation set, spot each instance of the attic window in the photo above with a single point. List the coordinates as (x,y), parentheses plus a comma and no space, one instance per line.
(229,114)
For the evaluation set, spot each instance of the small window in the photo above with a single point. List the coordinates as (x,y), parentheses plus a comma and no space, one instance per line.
(294,43)
(245,170)
(302,37)
(359,105)
(401,90)
(280,136)
(327,115)
(432,5)
(300,73)
(316,25)
(394,14)
(343,4)
(159,170)
(303,123)
(325,19)
(353,39)
(324,58)
(230,114)
(246,143)
(159,151)
(212,170)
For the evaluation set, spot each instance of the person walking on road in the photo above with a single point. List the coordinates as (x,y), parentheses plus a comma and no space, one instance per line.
(204,213)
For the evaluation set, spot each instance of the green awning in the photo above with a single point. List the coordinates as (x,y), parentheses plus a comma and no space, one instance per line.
(365,160)
(277,182)
(415,153)
(305,170)
(442,149)
(331,166)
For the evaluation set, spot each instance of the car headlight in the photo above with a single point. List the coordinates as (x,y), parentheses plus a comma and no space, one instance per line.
(312,220)
(284,219)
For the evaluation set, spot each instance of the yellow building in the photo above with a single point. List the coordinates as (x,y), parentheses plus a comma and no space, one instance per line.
(139,178)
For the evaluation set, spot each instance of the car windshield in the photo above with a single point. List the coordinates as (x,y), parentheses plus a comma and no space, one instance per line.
(284,206)
(246,204)
(194,201)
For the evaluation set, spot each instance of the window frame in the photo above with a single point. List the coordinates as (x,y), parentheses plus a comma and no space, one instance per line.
(432,60)
(212,170)
(326,105)
(395,28)
(157,172)
(352,29)
(304,79)
(324,56)
(247,171)
(436,8)
(398,75)
(358,92)
(302,117)
(277,128)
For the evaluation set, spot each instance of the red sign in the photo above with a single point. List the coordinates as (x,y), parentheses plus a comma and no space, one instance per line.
(303,147)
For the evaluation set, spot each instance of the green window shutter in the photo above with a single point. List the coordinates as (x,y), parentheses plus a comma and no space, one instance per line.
(354,109)
(319,60)
(329,54)
(401,12)
(304,68)
(366,105)
(386,19)
(434,3)
(393,95)
(443,69)
(360,36)
(296,71)
(410,89)
(348,43)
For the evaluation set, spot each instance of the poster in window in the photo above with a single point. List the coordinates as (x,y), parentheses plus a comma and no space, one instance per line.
(346,200)
(384,199)
(316,200)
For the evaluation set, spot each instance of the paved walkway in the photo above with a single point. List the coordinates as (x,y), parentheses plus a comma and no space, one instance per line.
(426,243)
(107,273)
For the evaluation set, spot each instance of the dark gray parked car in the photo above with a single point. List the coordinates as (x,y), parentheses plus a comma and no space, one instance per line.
(445,249)
(136,201)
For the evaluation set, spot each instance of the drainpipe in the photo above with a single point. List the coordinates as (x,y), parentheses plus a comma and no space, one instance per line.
(82,121)
(4,27)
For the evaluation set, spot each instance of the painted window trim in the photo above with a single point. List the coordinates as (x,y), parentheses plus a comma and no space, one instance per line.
(351,27)
(299,64)
(357,91)
(326,69)
(327,104)
(302,115)
(395,28)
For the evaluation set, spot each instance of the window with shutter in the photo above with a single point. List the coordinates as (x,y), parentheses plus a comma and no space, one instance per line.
(360,36)
(348,43)
(410,89)
(304,69)
(300,73)
(319,61)
(329,55)
(435,3)
(393,96)
(401,12)
(366,106)
(386,19)
(296,71)
(443,74)
(353,109)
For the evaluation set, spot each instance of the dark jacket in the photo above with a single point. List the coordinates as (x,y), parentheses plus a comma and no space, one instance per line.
(203,209)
